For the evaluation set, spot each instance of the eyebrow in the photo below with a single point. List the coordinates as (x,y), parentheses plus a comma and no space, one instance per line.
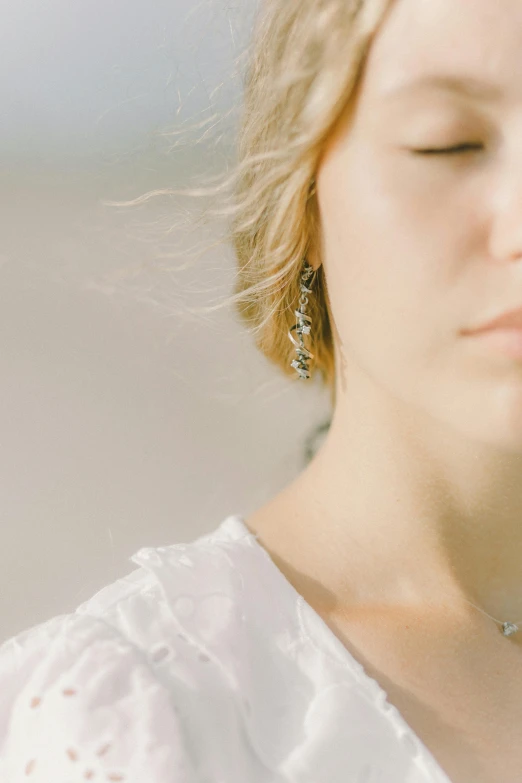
(464,85)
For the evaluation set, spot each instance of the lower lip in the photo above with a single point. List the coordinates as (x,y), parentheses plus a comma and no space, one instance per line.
(507,341)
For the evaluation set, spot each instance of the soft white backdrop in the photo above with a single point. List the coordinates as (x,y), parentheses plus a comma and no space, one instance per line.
(125,421)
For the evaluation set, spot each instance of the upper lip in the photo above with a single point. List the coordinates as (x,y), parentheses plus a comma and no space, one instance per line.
(511,319)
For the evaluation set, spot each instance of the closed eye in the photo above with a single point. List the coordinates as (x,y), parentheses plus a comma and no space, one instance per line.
(449,150)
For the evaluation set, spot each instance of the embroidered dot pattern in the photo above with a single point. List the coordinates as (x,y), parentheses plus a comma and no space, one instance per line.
(146,726)
(160,653)
(72,753)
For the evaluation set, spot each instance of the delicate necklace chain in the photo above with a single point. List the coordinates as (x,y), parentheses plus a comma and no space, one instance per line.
(507,628)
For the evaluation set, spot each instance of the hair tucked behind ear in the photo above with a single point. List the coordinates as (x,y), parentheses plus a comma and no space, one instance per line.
(303,66)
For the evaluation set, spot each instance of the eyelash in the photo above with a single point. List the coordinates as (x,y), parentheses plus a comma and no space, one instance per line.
(450,150)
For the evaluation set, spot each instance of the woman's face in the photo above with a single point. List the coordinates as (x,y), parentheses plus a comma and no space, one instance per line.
(416,246)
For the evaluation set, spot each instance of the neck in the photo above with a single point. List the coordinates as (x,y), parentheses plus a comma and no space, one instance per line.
(415,511)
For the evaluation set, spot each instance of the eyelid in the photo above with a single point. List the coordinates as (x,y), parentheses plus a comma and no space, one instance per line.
(453,150)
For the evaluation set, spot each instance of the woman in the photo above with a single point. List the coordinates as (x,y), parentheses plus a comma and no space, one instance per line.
(362,625)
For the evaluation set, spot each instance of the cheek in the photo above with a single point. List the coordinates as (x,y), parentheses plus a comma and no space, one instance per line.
(392,264)
(389,198)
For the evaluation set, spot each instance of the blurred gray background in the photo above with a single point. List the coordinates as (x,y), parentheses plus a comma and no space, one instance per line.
(125,422)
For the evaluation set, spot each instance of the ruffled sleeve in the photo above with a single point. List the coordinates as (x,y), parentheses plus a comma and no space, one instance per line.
(78,702)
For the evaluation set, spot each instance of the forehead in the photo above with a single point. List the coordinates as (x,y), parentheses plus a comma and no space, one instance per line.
(480,39)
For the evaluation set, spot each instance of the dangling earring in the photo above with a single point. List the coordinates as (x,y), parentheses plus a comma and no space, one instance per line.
(303,326)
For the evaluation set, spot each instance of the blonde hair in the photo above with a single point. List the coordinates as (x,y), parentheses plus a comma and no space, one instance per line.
(303,66)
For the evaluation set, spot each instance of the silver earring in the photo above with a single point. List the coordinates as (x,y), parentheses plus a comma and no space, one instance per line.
(303,326)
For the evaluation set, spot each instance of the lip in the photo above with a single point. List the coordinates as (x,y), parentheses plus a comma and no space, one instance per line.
(505,341)
(510,320)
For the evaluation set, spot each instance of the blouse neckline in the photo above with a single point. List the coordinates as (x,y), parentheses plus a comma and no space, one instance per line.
(318,634)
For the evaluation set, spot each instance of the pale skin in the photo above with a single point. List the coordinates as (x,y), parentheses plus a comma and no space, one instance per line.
(413,505)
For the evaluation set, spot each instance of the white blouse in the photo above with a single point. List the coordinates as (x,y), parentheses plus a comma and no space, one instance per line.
(204,665)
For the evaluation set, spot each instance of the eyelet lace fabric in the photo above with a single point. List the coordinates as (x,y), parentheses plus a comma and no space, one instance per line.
(203,665)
